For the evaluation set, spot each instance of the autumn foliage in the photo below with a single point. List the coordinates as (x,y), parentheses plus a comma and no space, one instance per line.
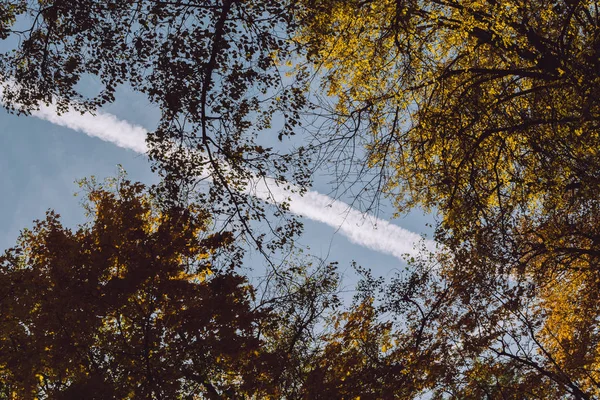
(484,112)
(488,113)
(129,305)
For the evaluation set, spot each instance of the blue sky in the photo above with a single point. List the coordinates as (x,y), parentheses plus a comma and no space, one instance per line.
(40,161)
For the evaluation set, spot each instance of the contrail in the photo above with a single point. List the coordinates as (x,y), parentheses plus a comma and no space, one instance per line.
(103,126)
(360,228)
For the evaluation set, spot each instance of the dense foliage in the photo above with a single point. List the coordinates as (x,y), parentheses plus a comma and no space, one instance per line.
(142,302)
(487,112)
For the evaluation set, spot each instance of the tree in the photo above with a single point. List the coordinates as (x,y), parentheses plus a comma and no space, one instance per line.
(486,112)
(215,69)
(483,110)
(140,302)
(129,305)
(421,335)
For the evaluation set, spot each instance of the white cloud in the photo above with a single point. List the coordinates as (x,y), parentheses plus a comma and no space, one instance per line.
(362,229)
(102,125)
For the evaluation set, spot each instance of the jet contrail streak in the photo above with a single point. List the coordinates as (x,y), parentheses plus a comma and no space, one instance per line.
(360,228)
(103,126)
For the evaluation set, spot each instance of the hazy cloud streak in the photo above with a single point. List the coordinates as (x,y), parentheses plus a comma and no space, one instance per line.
(360,228)
(103,126)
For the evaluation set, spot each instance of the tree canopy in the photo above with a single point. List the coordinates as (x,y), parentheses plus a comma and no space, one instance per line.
(488,113)
(142,302)
(485,112)
(129,305)
(216,70)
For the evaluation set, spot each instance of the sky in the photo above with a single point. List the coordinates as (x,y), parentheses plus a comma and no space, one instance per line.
(42,157)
